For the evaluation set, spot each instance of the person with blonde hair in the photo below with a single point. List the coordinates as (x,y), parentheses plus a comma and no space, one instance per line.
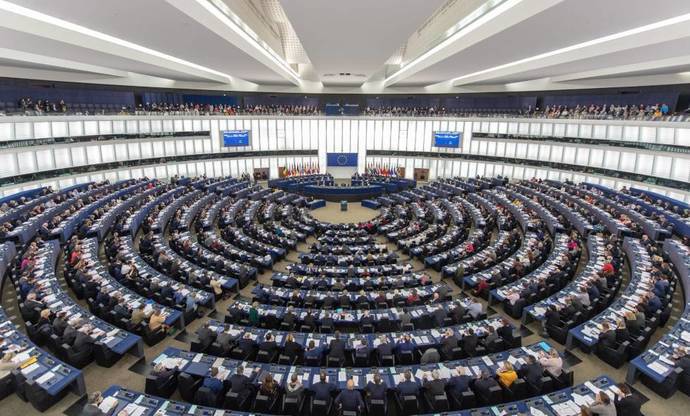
(7,363)
(506,374)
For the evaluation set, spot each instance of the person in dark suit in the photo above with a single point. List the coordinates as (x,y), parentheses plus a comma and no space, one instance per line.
(505,331)
(404,345)
(682,357)
(407,387)
(622,333)
(292,349)
(434,387)
(225,340)
(313,352)
(469,342)
(246,344)
(552,317)
(241,384)
(269,345)
(350,399)
(460,382)
(60,323)
(375,389)
(532,371)
(484,383)
(607,337)
(439,316)
(289,317)
(162,374)
(337,348)
(309,320)
(83,340)
(205,335)
(362,349)
(384,348)
(448,342)
(327,321)
(323,390)
(366,319)
(626,403)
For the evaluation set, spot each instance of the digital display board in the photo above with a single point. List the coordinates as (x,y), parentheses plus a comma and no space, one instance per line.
(235,138)
(447,138)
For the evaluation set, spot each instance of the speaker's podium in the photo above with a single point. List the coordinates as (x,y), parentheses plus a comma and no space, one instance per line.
(343,205)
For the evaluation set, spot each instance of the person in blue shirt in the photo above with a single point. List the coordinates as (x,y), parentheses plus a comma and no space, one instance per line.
(405,344)
(212,382)
(653,304)
(190,303)
(460,382)
(314,352)
(408,387)
(350,399)
(322,389)
(661,287)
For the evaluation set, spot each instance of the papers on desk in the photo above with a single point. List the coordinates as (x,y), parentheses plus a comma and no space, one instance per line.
(134,409)
(197,358)
(27,370)
(399,378)
(685,336)
(658,368)
(45,377)
(567,408)
(581,400)
(107,404)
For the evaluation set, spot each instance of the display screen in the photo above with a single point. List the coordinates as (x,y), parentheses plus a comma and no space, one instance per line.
(447,138)
(341,159)
(234,138)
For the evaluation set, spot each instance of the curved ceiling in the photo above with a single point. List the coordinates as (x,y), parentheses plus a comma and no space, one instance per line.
(357,46)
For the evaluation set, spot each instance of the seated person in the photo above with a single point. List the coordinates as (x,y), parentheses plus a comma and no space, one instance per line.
(241,384)
(292,349)
(138,315)
(607,336)
(269,387)
(532,371)
(322,389)
(551,362)
(157,321)
(162,374)
(626,403)
(269,345)
(506,374)
(434,387)
(483,385)
(482,289)
(213,381)
(8,363)
(459,382)
(375,389)
(384,348)
(602,406)
(407,387)
(246,344)
(350,399)
(294,389)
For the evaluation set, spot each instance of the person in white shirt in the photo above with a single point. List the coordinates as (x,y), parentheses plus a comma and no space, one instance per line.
(513,296)
(474,309)
(552,362)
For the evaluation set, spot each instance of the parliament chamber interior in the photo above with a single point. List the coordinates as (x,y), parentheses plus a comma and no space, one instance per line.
(399,207)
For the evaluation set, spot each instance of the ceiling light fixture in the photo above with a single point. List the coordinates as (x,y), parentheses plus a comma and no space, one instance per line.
(219,9)
(630,32)
(481,15)
(41,17)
